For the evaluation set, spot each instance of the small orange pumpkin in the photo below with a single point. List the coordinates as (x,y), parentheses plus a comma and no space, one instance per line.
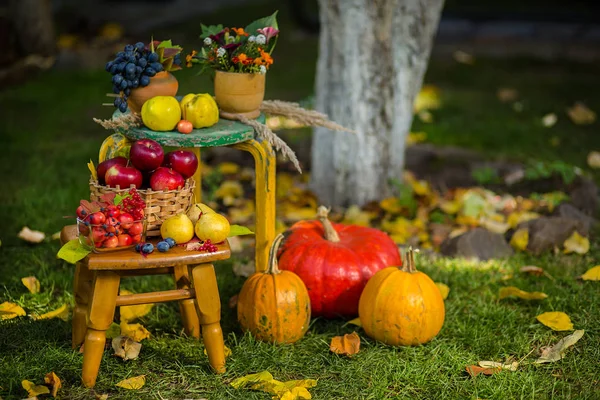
(401,306)
(274,305)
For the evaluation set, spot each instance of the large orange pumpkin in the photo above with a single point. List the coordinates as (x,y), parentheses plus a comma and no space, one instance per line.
(335,261)
(274,305)
(401,306)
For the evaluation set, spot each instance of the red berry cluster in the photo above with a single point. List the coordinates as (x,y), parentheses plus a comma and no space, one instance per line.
(134,204)
(208,246)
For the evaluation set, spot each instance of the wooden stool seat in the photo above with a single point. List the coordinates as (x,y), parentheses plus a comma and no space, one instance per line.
(96,285)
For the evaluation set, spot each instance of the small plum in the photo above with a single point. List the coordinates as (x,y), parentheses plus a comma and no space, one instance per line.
(111,242)
(126,220)
(136,229)
(124,240)
(97,218)
(185,126)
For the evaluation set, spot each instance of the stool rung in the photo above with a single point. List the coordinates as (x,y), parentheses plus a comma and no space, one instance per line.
(154,297)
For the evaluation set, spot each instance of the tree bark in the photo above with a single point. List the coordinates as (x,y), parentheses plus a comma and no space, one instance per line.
(372,58)
(34,26)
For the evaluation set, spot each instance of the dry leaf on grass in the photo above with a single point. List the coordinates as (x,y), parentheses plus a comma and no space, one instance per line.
(129,313)
(126,348)
(34,390)
(290,390)
(228,168)
(475,370)
(536,271)
(507,95)
(493,364)
(415,137)
(226,350)
(549,120)
(355,321)
(556,320)
(593,159)
(10,310)
(348,344)
(61,312)
(463,57)
(520,239)
(576,244)
(592,274)
(444,289)
(137,382)
(425,116)
(512,291)
(54,381)
(31,236)
(580,114)
(32,284)
(135,331)
(428,98)
(251,379)
(99,396)
(557,352)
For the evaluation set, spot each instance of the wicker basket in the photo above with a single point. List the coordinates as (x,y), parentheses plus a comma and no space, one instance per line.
(159,205)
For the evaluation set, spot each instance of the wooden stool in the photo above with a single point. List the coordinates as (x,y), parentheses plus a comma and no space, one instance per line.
(239,136)
(96,285)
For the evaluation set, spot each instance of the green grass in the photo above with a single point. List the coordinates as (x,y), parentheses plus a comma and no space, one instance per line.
(48,136)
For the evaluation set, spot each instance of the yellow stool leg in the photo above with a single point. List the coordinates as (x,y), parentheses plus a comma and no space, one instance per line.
(83,289)
(264,159)
(191,324)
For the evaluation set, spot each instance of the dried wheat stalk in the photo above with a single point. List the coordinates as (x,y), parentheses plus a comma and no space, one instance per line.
(122,122)
(301,115)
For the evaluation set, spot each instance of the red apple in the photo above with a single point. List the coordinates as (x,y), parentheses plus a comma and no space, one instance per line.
(111,242)
(185,126)
(182,161)
(106,164)
(126,220)
(136,229)
(166,179)
(124,177)
(124,240)
(146,154)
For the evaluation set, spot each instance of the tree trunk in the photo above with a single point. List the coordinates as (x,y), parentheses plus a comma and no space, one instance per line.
(372,58)
(34,26)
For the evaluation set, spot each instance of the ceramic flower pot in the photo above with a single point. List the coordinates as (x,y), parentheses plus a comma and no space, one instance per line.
(238,93)
(161,84)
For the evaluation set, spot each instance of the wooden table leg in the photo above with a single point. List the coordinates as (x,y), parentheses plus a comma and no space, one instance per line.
(189,316)
(197,176)
(82,285)
(101,311)
(264,159)
(208,306)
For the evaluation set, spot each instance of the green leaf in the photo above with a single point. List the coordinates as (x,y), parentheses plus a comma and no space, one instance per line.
(271,20)
(72,251)
(238,230)
(210,30)
(119,199)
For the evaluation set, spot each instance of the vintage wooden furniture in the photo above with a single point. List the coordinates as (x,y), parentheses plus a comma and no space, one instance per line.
(97,280)
(238,136)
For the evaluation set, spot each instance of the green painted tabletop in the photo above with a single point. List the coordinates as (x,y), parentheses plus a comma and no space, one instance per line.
(223,133)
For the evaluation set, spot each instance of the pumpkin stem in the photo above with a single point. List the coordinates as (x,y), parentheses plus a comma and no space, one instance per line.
(410,261)
(273,267)
(330,232)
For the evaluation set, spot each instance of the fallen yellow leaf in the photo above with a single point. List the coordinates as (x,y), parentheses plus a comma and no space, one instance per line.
(293,213)
(34,390)
(355,321)
(593,159)
(297,393)
(355,216)
(520,239)
(517,217)
(415,137)
(494,226)
(229,191)
(549,120)
(557,352)
(475,370)
(227,351)
(580,114)
(54,381)
(592,274)
(129,313)
(348,344)
(463,57)
(391,205)
(532,270)
(444,289)
(228,168)
(31,283)
(137,382)
(576,244)
(10,310)
(137,332)
(511,291)
(31,236)
(61,312)
(428,98)
(251,379)
(450,207)
(126,348)
(556,320)
(296,389)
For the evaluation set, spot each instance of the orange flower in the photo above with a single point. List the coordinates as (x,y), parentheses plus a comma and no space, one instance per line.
(188,58)
(258,61)
(242,57)
(239,31)
(266,57)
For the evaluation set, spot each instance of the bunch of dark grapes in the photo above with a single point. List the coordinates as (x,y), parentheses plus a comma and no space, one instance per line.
(132,68)
(134,205)
(208,246)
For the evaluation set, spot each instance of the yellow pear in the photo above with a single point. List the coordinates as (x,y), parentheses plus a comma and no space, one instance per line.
(198,209)
(178,227)
(212,226)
